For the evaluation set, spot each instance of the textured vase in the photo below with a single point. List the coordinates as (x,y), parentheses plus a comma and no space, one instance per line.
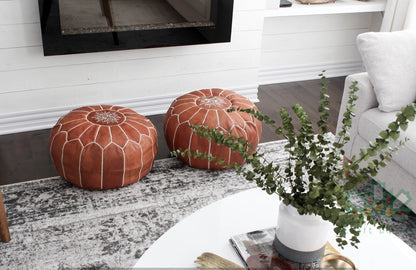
(209,107)
(300,238)
(102,147)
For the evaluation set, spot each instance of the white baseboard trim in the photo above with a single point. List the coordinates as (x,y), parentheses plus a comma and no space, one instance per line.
(45,119)
(308,72)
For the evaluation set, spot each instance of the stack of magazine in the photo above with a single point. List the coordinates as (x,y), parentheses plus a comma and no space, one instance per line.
(257,252)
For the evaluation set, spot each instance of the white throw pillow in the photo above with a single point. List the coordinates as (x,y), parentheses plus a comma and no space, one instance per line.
(390,60)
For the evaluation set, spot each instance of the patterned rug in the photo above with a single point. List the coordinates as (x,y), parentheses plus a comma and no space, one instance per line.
(55,225)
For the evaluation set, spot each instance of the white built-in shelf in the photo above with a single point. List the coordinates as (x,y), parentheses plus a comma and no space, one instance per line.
(337,7)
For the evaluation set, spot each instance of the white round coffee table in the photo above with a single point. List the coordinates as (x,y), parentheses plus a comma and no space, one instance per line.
(209,230)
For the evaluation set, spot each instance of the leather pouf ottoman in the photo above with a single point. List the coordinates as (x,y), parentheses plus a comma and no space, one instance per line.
(209,107)
(102,147)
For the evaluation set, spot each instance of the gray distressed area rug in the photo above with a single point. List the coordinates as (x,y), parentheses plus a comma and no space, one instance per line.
(55,225)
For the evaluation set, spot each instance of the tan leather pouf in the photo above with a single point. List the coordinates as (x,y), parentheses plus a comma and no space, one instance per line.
(102,147)
(209,107)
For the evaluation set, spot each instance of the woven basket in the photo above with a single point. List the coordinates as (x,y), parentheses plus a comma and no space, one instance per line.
(315,1)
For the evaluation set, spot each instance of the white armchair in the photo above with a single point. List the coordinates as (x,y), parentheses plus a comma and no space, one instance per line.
(399,177)
(388,85)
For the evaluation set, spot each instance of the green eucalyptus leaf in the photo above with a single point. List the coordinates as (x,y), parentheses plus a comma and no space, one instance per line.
(393,126)
(394,135)
(409,111)
(404,126)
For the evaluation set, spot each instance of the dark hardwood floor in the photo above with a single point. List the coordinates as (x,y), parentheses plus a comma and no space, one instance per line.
(25,156)
(306,93)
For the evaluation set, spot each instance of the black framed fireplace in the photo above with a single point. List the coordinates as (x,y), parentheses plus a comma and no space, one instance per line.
(80,26)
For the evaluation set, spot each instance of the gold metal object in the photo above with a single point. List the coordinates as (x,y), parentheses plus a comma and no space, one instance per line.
(210,260)
(336,261)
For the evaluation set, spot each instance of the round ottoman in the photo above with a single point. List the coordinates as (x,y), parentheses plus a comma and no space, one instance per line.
(102,147)
(209,107)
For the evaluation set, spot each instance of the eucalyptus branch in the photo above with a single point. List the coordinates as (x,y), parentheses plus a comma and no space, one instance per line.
(311,178)
(343,136)
(324,104)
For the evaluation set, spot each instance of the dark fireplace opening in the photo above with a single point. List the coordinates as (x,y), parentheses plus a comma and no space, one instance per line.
(80,26)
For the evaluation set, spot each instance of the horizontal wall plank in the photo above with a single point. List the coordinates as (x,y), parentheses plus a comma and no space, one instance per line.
(248,20)
(310,56)
(308,72)
(19,12)
(319,23)
(20,35)
(309,40)
(115,92)
(126,70)
(32,57)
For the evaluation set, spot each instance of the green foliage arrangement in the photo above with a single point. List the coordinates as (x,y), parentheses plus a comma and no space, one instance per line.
(314,179)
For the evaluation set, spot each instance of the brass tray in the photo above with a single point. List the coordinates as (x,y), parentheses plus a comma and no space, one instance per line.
(336,261)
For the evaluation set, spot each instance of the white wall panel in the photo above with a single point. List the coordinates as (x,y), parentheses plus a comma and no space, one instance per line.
(315,23)
(122,91)
(19,12)
(32,57)
(34,86)
(292,41)
(20,35)
(312,56)
(82,74)
(306,43)
(248,20)
(33,83)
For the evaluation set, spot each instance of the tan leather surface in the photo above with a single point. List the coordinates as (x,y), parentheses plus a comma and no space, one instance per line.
(102,147)
(209,107)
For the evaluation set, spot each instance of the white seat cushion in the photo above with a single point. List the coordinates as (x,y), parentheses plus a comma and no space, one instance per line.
(373,121)
(390,60)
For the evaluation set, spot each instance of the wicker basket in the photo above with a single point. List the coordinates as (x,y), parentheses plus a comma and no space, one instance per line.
(315,1)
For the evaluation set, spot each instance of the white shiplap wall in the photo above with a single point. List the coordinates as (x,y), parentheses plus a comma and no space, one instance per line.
(300,47)
(36,90)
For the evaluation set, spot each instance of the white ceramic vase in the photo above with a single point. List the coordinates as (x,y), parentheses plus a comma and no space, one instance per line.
(300,238)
